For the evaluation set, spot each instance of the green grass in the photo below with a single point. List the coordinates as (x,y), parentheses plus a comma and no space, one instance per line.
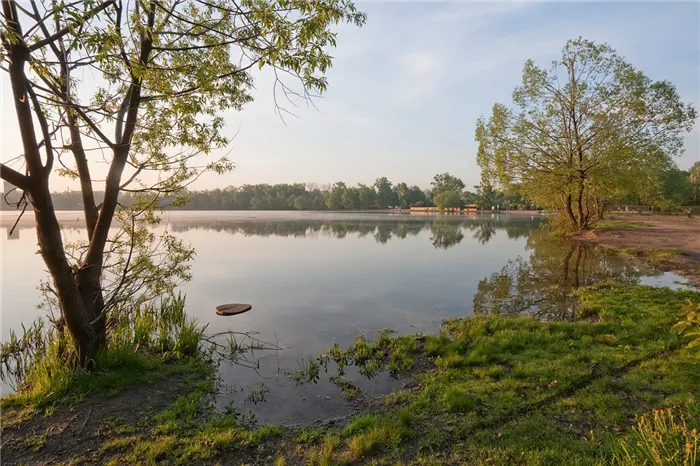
(519,391)
(153,343)
(618,224)
(658,258)
(180,435)
(111,375)
(396,353)
(324,454)
(500,391)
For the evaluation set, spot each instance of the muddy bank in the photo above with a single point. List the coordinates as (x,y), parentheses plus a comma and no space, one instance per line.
(667,243)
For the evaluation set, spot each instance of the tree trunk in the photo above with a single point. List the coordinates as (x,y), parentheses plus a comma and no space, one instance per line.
(579,207)
(73,309)
(569,211)
(90,287)
(598,208)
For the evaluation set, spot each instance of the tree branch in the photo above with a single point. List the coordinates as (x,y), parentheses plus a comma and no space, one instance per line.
(48,40)
(43,124)
(14,177)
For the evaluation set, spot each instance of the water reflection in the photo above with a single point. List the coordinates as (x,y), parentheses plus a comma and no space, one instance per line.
(543,284)
(445,232)
(316,279)
(445,235)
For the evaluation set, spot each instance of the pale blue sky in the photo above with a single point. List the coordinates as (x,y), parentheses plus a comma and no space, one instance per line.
(406,90)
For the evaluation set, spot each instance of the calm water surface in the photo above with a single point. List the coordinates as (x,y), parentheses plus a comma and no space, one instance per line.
(318,278)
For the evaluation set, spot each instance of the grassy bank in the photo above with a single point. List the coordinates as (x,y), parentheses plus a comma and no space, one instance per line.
(617,224)
(154,343)
(663,259)
(486,390)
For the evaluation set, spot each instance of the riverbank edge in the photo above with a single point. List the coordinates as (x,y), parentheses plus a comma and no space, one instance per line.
(683,260)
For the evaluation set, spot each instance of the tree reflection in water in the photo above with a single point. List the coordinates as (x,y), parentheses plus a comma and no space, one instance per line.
(444,235)
(540,285)
(543,285)
(445,232)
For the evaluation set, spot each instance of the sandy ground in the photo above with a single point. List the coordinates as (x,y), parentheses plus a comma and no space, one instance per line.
(665,232)
(681,234)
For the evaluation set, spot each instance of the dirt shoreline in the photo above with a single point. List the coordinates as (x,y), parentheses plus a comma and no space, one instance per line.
(667,243)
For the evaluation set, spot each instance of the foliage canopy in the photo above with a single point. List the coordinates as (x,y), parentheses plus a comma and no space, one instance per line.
(582,131)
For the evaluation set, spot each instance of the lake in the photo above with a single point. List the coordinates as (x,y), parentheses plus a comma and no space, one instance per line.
(319,278)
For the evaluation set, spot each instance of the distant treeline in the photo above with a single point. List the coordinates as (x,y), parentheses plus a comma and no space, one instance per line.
(339,196)
(66,200)
(446,191)
(678,186)
(382,195)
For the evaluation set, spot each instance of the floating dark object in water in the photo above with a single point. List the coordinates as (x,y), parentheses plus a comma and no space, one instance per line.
(232,309)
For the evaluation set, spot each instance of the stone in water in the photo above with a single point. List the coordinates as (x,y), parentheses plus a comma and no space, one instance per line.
(232,309)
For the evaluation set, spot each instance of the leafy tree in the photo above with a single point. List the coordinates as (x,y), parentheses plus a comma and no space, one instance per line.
(446,182)
(694,177)
(485,196)
(385,194)
(415,196)
(162,73)
(285,197)
(351,199)
(577,129)
(447,200)
(336,196)
(676,187)
(643,185)
(428,194)
(301,203)
(368,196)
(469,197)
(403,193)
(517,201)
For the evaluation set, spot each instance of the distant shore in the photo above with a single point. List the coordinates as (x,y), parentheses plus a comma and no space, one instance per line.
(76,218)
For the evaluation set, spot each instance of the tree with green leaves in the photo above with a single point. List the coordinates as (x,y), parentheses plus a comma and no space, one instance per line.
(694,178)
(445,182)
(416,196)
(336,196)
(403,193)
(368,196)
(579,128)
(447,200)
(485,196)
(676,188)
(385,193)
(161,74)
(351,198)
